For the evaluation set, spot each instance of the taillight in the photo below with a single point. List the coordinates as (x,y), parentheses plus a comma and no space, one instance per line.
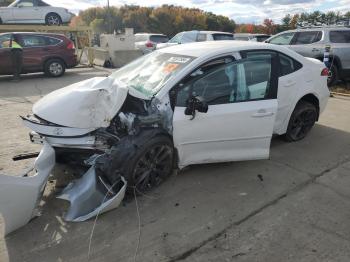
(324,72)
(70,45)
(149,44)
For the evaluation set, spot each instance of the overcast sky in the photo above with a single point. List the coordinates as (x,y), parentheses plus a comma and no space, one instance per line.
(242,11)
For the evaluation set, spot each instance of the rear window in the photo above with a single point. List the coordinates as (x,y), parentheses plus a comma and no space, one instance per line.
(288,65)
(308,37)
(218,37)
(159,38)
(341,36)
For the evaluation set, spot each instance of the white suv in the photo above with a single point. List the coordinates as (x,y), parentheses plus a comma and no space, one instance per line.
(34,12)
(187,104)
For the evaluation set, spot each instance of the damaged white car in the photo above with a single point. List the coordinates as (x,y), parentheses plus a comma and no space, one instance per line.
(188,104)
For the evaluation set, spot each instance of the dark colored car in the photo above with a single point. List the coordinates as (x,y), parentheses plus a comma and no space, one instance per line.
(42,52)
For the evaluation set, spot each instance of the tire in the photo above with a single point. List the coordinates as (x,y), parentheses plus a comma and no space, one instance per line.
(151,164)
(53,19)
(333,76)
(55,68)
(302,120)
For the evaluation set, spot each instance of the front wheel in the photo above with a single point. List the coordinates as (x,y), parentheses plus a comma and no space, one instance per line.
(53,19)
(302,120)
(151,164)
(55,68)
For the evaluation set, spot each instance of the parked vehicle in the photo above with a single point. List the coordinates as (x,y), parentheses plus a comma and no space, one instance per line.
(42,52)
(311,42)
(187,104)
(34,12)
(147,42)
(250,37)
(196,36)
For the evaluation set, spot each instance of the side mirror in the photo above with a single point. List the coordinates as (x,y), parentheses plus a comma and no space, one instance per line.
(195,103)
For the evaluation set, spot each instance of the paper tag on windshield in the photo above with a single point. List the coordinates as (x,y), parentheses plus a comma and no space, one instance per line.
(180,60)
(170,67)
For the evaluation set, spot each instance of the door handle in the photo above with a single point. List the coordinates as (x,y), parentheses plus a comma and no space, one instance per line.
(315,50)
(262,113)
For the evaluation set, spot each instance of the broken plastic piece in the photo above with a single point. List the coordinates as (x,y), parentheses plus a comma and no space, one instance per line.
(89,196)
(19,195)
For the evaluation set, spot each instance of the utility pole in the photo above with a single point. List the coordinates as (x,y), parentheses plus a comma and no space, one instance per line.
(109,18)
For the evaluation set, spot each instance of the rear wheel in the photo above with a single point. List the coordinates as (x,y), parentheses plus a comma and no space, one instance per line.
(53,19)
(333,75)
(302,120)
(151,164)
(55,68)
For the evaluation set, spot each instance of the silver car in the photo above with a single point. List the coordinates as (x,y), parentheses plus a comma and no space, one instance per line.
(147,42)
(311,42)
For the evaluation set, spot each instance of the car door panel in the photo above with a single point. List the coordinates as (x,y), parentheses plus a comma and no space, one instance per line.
(308,44)
(6,14)
(227,132)
(237,126)
(5,61)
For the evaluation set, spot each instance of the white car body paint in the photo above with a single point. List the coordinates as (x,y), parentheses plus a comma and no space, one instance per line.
(32,15)
(19,196)
(94,103)
(227,132)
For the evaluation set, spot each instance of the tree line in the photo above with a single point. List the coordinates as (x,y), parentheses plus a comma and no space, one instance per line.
(166,19)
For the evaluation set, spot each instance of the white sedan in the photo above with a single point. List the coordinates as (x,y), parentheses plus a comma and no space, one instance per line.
(34,12)
(187,104)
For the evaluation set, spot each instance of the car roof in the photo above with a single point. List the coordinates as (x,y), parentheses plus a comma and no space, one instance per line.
(318,28)
(249,34)
(150,34)
(33,33)
(198,49)
(207,32)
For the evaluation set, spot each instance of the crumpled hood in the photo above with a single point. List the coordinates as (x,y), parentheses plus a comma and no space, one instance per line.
(90,103)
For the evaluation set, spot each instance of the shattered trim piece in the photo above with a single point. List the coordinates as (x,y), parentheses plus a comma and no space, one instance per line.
(20,195)
(90,196)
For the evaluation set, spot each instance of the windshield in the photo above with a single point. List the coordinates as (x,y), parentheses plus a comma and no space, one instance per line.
(14,3)
(148,73)
(176,38)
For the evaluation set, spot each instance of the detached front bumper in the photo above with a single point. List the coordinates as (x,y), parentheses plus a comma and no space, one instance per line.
(20,195)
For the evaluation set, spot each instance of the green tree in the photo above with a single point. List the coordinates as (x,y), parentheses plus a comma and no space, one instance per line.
(5,2)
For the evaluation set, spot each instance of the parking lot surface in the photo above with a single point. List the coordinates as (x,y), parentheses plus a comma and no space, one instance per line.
(292,207)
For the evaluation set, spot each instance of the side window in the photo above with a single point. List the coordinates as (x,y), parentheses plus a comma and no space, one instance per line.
(33,40)
(308,37)
(201,37)
(52,41)
(340,36)
(244,80)
(288,65)
(41,3)
(218,37)
(5,40)
(283,39)
(25,3)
